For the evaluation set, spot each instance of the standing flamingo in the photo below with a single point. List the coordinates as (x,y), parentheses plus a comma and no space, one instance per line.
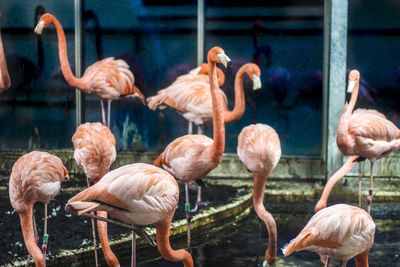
(190,96)
(340,231)
(94,152)
(191,157)
(5,81)
(108,79)
(259,149)
(35,177)
(138,194)
(364,133)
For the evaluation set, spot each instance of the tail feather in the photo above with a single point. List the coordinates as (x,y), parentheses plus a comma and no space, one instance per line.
(303,240)
(157,101)
(158,161)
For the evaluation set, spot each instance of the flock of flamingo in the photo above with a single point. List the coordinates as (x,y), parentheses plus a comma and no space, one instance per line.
(141,194)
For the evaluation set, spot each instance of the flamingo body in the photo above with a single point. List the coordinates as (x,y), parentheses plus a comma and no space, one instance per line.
(94,149)
(340,231)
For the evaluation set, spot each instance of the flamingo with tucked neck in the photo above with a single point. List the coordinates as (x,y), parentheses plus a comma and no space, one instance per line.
(340,231)
(35,177)
(259,149)
(138,194)
(5,81)
(94,152)
(364,133)
(191,157)
(108,79)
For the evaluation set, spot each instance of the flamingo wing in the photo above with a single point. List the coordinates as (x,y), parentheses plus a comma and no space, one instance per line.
(138,194)
(35,176)
(109,78)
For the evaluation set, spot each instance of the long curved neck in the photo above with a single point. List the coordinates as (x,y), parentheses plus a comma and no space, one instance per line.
(109,256)
(342,137)
(5,81)
(29,238)
(345,169)
(239,108)
(258,196)
(362,259)
(163,245)
(218,146)
(62,53)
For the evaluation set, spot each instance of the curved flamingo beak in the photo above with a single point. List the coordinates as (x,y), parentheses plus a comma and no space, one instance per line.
(139,94)
(39,27)
(256,82)
(225,60)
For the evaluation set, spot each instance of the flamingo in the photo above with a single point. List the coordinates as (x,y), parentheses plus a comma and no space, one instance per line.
(191,157)
(94,152)
(364,133)
(5,81)
(259,149)
(138,194)
(108,79)
(35,177)
(190,96)
(340,231)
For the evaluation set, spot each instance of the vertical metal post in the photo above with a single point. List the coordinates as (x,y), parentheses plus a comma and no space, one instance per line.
(334,79)
(78,11)
(200,31)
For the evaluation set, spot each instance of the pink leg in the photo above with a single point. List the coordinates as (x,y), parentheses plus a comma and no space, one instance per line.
(187,210)
(103,113)
(133,261)
(108,115)
(359,183)
(371,180)
(190,127)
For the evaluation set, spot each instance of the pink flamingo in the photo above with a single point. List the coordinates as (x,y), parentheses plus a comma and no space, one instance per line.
(190,96)
(191,157)
(5,81)
(138,194)
(259,149)
(35,177)
(108,79)
(364,133)
(94,152)
(340,231)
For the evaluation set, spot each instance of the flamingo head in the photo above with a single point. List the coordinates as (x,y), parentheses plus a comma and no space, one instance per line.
(254,73)
(354,77)
(44,21)
(217,55)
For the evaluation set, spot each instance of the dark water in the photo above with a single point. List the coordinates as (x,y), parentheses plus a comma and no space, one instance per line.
(239,245)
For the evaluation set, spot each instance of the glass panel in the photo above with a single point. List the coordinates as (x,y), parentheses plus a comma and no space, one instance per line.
(36,111)
(373,49)
(285,39)
(158,41)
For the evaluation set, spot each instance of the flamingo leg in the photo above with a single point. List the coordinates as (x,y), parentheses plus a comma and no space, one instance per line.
(108,114)
(344,263)
(371,180)
(200,129)
(133,260)
(103,113)
(359,183)
(327,262)
(93,227)
(45,235)
(187,210)
(190,128)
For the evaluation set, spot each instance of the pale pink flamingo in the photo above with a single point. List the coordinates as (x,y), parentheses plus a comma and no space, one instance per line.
(108,79)
(5,81)
(138,194)
(192,157)
(340,231)
(190,96)
(365,133)
(94,152)
(35,177)
(193,99)
(259,149)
